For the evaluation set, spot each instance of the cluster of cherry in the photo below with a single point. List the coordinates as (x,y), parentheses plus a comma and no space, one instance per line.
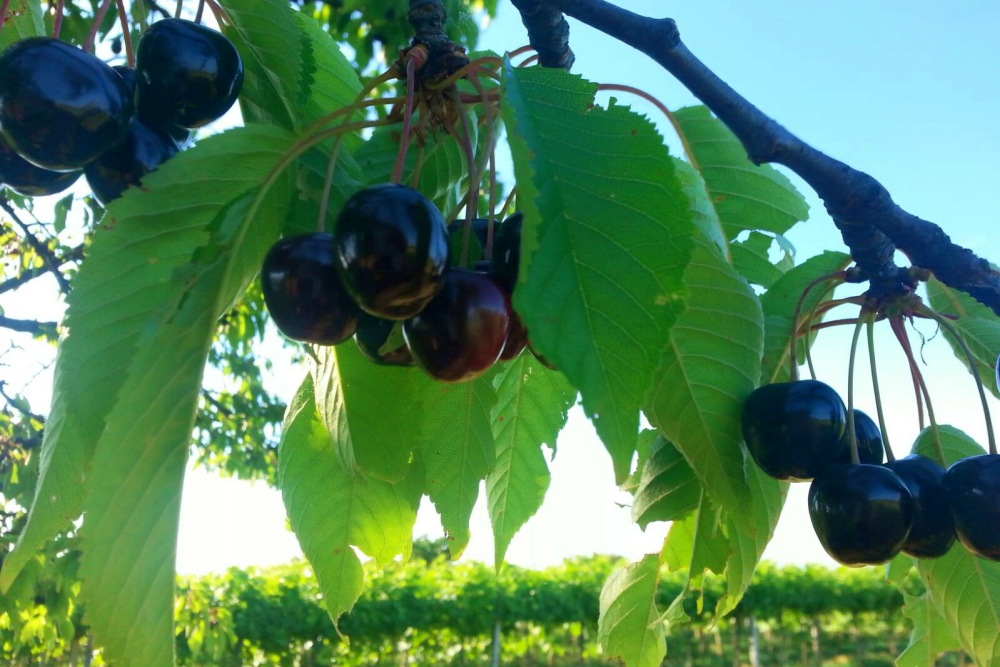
(387,261)
(64,111)
(866,512)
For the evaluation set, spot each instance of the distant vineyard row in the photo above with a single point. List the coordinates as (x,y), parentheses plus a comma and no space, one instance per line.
(279,612)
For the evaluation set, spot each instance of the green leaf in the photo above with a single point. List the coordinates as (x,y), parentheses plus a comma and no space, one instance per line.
(746,196)
(977,325)
(270,44)
(930,636)
(122,291)
(955,444)
(370,411)
(456,446)
(532,405)
(629,626)
(331,83)
(605,242)
(134,485)
(668,489)
(709,367)
(697,544)
(752,259)
(330,509)
(24,20)
(965,589)
(779,304)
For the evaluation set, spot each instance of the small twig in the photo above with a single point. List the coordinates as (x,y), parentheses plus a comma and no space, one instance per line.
(48,258)
(19,404)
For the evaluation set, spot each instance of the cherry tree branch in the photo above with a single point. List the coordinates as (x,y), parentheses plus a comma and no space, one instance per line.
(872,225)
(50,261)
(34,327)
(28,275)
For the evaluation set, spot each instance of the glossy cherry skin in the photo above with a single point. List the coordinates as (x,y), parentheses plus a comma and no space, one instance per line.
(861,513)
(507,250)
(460,334)
(60,107)
(180,135)
(125,164)
(517,338)
(303,293)
(794,429)
(392,246)
(933,530)
(26,179)
(972,486)
(188,75)
(371,336)
(869,438)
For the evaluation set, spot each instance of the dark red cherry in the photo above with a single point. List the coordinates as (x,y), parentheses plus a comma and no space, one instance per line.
(125,164)
(933,530)
(60,107)
(869,439)
(973,489)
(507,250)
(372,335)
(460,334)
(180,135)
(794,429)
(188,75)
(517,338)
(26,179)
(303,293)
(392,246)
(861,513)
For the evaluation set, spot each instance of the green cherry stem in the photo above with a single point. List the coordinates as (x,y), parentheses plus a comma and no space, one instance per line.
(793,349)
(950,328)
(488,112)
(870,325)
(851,435)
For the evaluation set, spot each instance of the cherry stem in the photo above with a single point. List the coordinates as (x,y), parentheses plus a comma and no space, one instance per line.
(220,15)
(488,111)
(331,166)
(894,324)
(3,13)
(878,395)
(506,204)
(528,61)
(950,328)
(404,140)
(462,72)
(851,434)
(88,44)
(417,168)
(177,9)
(57,21)
(472,200)
(520,50)
(794,371)
(201,11)
(900,332)
(126,33)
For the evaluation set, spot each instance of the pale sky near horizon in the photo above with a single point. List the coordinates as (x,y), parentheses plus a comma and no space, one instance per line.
(906,91)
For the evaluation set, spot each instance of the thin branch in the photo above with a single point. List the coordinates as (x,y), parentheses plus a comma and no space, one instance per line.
(870,222)
(74,255)
(19,404)
(43,251)
(34,327)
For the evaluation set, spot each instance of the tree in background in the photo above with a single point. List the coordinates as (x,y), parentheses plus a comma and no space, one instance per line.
(634,281)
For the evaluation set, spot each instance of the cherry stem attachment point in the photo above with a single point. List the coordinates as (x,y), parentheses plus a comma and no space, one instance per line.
(945,324)
(870,322)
